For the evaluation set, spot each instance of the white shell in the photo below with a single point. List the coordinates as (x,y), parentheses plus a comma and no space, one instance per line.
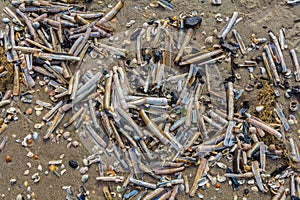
(259,108)
(36,177)
(26,172)
(35,136)
(66,135)
(40,168)
(254,189)
(251,182)
(63,171)
(28,164)
(221,165)
(38,113)
(209,40)
(30,154)
(221,179)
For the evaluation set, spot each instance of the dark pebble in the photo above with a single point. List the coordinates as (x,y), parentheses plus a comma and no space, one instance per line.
(175,96)
(191,22)
(73,164)
(246,192)
(258,59)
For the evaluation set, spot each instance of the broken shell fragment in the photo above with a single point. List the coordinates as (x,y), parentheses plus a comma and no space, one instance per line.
(259,108)
(294,106)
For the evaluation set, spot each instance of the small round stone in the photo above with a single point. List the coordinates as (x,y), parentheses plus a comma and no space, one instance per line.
(7,158)
(29,111)
(5,20)
(246,191)
(85,178)
(36,24)
(73,164)
(218,185)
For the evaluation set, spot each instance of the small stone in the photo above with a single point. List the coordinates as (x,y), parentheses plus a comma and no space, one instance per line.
(251,182)
(119,189)
(126,43)
(272,147)
(246,192)
(191,22)
(201,196)
(25,183)
(36,24)
(5,20)
(35,136)
(7,158)
(73,164)
(85,178)
(28,111)
(218,185)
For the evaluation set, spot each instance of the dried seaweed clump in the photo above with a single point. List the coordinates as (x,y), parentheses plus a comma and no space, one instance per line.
(5,66)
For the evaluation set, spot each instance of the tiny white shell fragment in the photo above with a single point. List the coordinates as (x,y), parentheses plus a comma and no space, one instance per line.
(30,154)
(221,179)
(66,135)
(254,189)
(262,70)
(26,172)
(75,143)
(259,108)
(242,181)
(19,197)
(201,196)
(251,182)
(38,113)
(63,171)
(28,164)
(221,165)
(38,108)
(214,180)
(40,168)
(39,125)
(12,181)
